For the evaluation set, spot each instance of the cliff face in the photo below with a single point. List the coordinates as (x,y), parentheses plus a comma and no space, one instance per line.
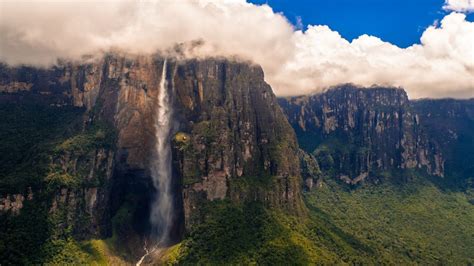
(233,141)
(358,133)
(451,124)
(230,141)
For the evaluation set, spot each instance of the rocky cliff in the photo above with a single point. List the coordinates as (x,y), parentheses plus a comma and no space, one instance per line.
(231,142)
(450,123)
(358,133)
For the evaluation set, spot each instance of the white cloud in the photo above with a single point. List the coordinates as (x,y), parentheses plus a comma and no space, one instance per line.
(441,66)
(459,5)
(295,62)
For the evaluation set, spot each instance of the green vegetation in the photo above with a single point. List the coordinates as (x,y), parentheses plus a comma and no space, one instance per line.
(32,136)
(110,251)
(35,237)
(251,234)
(81,146)
(93,138)
(69,251)
(390,223)
(412,222)
(47,148)
(403,223)
(239,234)
(29,134)
(340,154)
(207,130)
(249,183)
(182,141)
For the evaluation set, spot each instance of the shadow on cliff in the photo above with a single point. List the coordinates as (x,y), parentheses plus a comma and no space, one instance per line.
(131,197)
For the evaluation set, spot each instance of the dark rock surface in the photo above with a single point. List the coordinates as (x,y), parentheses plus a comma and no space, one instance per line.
(231,140)
(359,133)
(234,141)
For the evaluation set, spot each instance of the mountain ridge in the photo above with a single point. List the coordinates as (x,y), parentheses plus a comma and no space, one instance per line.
(395,131)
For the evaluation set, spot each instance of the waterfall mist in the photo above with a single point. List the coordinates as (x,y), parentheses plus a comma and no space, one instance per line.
(161,209)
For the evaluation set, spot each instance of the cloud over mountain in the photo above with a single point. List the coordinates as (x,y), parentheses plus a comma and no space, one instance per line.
(295,61)
(459,5)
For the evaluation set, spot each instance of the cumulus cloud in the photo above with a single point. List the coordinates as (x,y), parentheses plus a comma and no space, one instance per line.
(441,66)
(295,61)
(459,5)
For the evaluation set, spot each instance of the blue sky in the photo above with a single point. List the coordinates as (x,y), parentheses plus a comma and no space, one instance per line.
(400,22)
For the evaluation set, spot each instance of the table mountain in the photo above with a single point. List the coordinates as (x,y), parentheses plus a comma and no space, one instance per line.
(371,133)
(87,133)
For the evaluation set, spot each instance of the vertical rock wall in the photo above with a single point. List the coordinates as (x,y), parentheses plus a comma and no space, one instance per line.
(232,140)
(356,133)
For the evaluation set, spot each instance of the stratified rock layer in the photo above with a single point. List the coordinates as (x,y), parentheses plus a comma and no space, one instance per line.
(450,123)
(230,141)
(234,141)
(358,133)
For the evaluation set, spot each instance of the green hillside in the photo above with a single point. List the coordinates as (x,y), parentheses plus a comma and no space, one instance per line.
(415,222)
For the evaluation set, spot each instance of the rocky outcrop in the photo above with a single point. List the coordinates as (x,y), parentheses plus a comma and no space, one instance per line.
(87,198)
(450,123)
(358,133)
(232,140)
(310,170)
(13,203)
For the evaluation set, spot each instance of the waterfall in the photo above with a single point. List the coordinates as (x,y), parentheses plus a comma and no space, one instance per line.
(161,215)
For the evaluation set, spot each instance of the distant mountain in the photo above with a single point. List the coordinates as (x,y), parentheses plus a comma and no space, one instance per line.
(359,134)
(450,123)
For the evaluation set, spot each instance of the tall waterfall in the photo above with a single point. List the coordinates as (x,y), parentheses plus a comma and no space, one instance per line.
(161,215)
